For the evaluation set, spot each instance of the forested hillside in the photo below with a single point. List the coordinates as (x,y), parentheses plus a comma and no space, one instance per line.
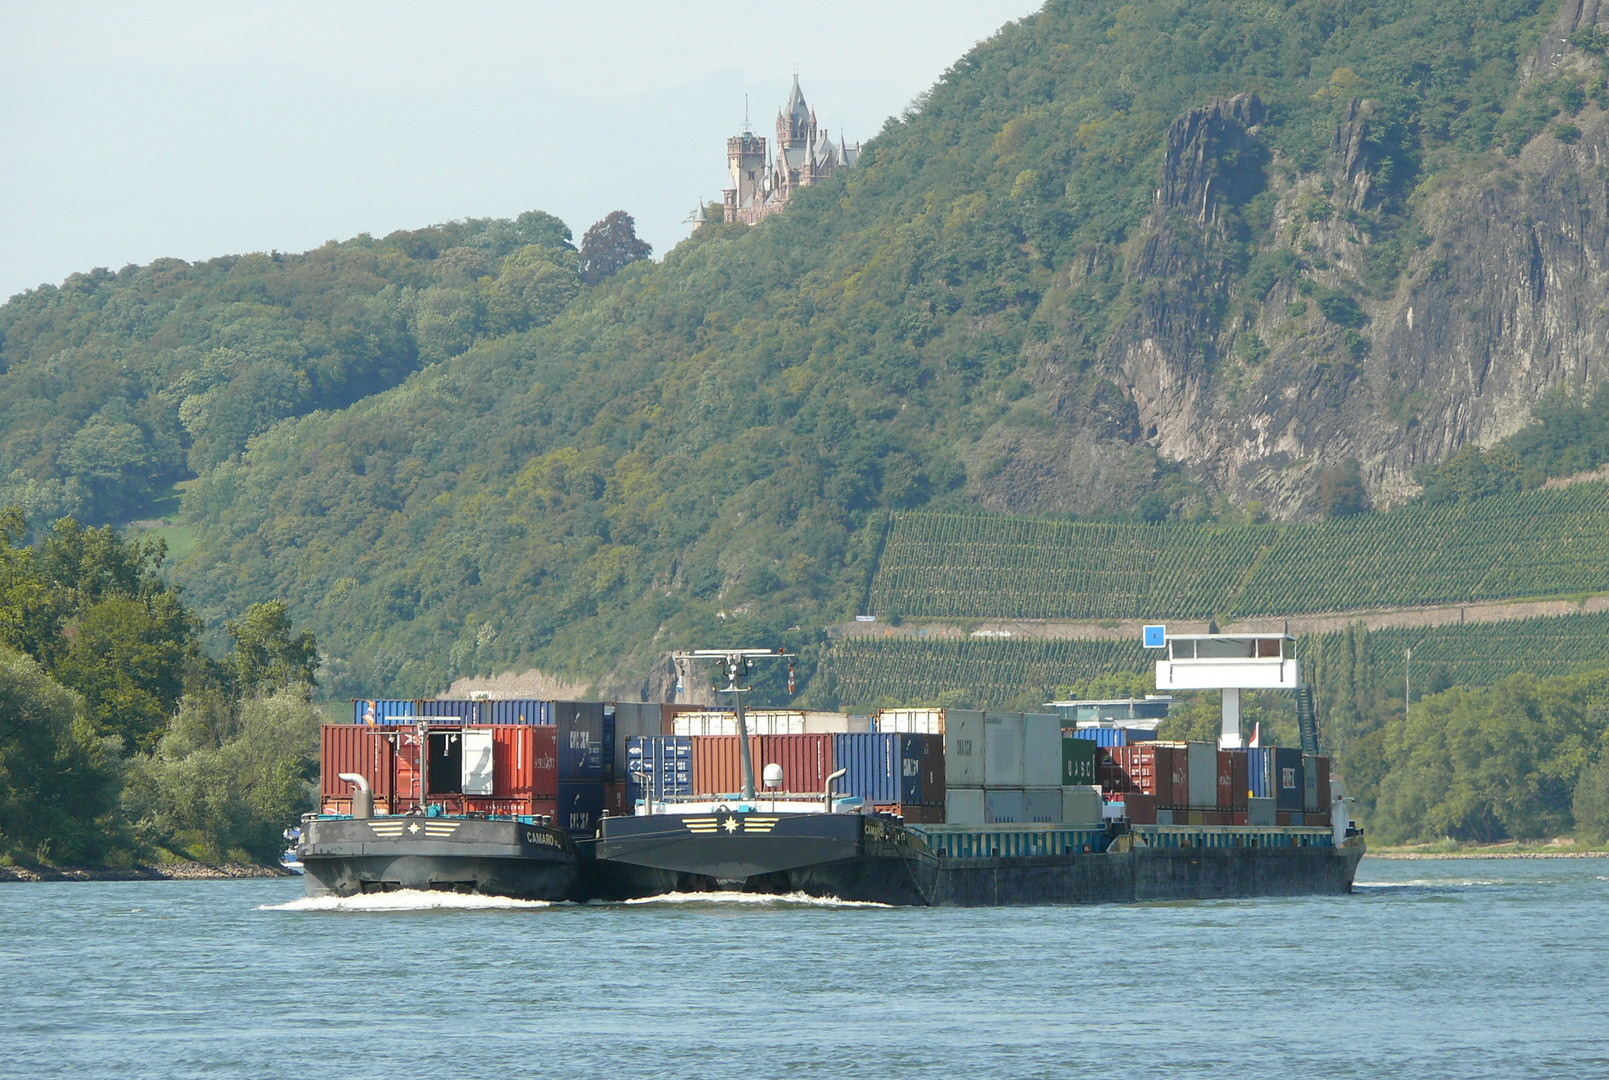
(1165,262)
(112,384)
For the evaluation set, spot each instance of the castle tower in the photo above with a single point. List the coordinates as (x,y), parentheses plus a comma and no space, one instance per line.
(745,159)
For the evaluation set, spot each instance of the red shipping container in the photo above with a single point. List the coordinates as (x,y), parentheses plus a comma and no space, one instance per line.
(525,761)
(354,748)
(616,803)
(717,768)
(1141,809)
(1233,777)
(1161,770)
(1173,774)
(1324,784)
(1239,817)
(806,760)
(1317,817)
(1109,773)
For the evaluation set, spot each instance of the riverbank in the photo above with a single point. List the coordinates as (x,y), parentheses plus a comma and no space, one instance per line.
(1561,848)
(163,872)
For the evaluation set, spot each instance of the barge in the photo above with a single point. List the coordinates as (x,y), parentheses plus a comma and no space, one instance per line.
(499,819)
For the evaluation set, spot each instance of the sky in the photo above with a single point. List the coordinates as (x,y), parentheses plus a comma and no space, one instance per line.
(130,132)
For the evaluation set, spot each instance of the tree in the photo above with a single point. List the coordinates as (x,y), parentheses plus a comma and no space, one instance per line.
(611,245)
(58,780)
(266,655)
(1591,800)
(1341,491)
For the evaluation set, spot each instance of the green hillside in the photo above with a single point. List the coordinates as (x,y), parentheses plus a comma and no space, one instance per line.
(1535,544)
(711,446)
(114,383)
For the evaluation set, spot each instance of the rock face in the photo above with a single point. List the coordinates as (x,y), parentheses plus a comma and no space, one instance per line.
(1255,384)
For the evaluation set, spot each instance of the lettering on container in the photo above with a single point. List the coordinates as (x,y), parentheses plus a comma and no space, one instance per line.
(963,747)
(580,740)
(1288,778)
(912,767)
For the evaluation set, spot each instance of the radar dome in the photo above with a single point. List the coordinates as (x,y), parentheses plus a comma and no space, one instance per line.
(772,775)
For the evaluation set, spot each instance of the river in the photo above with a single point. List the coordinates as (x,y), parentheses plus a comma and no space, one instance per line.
(1433,968)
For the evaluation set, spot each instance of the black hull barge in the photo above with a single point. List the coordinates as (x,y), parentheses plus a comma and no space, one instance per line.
(872,859)
(345,856)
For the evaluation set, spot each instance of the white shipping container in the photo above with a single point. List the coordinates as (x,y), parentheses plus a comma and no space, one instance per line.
(476,761)
(963,749)
(917,721)
(1081,804)
(1002,755)
(1041,805)
(963,806)
(1203,758)
(759,722)
(835,723)
(1041,750)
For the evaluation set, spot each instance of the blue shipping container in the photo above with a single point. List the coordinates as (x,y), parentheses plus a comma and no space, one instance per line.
(383,711)
(474,711)
(1104,736)
(580,739)
(884,767)
(1258,767)
(660,764)
(1290,789)
(579,806)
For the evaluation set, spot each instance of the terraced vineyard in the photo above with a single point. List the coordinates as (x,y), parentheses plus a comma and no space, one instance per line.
(871,671)
(1537,544)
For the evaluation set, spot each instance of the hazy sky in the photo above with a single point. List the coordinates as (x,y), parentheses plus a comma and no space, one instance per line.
(133,131)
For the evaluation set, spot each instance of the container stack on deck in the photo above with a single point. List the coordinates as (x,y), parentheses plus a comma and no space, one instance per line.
(574,761)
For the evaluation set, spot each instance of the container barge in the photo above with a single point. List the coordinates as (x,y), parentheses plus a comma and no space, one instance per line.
(591,801)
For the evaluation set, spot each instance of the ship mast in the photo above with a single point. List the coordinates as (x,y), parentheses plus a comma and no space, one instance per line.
(736,665)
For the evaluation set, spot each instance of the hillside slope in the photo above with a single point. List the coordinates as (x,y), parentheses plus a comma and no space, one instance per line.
(1165,256)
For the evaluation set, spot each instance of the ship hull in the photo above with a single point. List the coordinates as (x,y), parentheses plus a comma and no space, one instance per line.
(870,860)
(351,857)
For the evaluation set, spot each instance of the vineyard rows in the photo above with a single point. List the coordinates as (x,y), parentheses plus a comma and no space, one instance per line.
(870,672)
(1540,543)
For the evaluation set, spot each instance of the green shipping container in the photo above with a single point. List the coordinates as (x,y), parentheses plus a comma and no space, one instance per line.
(1078,760)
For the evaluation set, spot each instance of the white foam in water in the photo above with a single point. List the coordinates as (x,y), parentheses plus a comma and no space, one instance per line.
(405,900)
(796,898)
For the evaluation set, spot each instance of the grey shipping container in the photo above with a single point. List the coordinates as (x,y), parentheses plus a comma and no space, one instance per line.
(1081,804)
(1002,752)
(1310,782)
(634,719)
(1041,750)
(963,748)
(963,806)
(1259,811)
(1203,757)
(1042,804)
(1003,806)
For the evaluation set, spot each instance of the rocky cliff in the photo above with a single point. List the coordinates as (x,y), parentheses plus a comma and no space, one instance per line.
(1277,320)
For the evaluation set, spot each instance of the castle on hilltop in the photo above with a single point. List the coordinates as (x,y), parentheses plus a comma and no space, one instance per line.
(760,184)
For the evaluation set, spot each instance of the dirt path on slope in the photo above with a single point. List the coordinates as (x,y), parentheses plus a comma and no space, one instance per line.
(1126,629)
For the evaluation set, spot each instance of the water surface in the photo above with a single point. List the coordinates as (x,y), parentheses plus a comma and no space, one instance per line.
(1434,968)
